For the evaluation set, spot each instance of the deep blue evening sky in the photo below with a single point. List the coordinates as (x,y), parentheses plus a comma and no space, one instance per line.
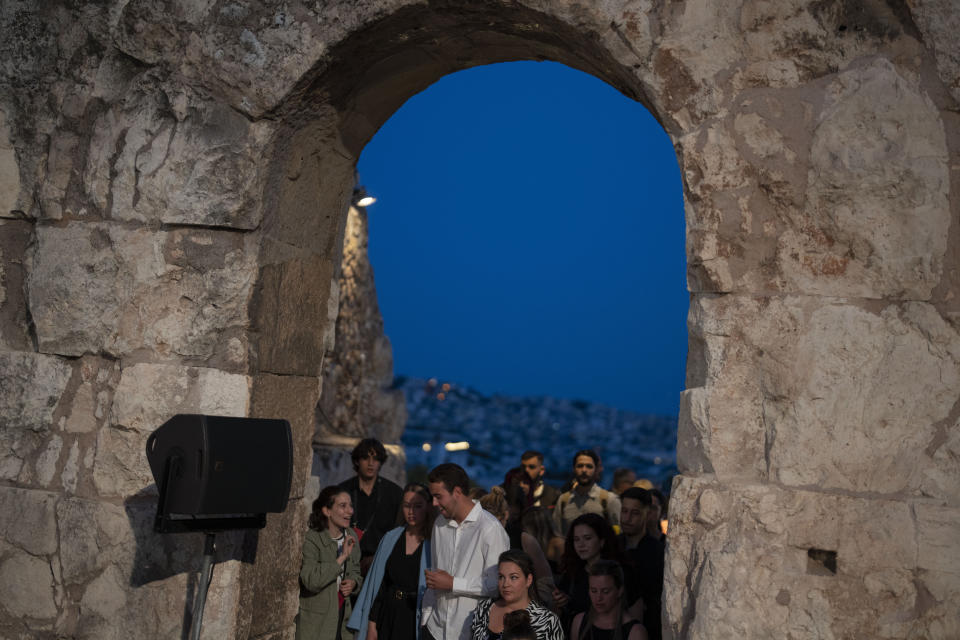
(528,238)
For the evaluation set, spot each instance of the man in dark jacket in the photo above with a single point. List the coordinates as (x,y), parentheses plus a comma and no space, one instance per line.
(376,500)
(529,478)
(643,547)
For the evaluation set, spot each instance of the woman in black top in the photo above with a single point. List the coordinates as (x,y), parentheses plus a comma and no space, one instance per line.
(607,618)
(589,539)
(388,607)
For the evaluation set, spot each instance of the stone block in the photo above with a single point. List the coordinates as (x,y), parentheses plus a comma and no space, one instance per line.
(938,529)
(182,294)
(761,560)
(876,219)
(938,21)
(9,170)
(150,394)
(27,587)
(875,534)
(836,189)
(693,431)
(868,401)
(937,595)
(15,236)
(285,44)
(115,562)
(198,163)
(105,596)
(147,396)
(293,399)
(851,400)
(120,466)
(90,403)
(270,585)
(296,308)
(942,477)
(61,158)
(93,535)
(29,520)
(33,385)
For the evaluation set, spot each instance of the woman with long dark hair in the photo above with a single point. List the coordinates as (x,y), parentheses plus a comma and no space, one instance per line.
(330,572)
(516,593)
(589,539)
(607,618)
(388,607)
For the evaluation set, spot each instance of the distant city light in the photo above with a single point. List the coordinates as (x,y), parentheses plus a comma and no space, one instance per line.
(457,446)
(426,446)
(366,201)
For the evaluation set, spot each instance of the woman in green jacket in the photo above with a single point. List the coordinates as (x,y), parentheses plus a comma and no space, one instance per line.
(330,570)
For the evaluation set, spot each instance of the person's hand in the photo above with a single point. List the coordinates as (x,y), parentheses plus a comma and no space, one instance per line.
(347,586)
(348,546)
(439,580)
(371,630)
(560,598)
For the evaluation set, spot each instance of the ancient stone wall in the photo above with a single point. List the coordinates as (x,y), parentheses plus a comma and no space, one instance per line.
(174,185)
(357,400)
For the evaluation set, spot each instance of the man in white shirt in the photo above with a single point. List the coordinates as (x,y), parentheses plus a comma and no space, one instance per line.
(465,547)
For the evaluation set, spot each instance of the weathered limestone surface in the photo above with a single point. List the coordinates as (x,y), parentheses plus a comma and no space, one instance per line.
(867,392)
(166,154)
(174,186)
(885,582)
(939,22)
(868,218)
(146,397)
(138,293)
(14,329)
(358,373)
(9,170)
(32,387)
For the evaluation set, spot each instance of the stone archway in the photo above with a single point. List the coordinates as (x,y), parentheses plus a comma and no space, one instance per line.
(174,193)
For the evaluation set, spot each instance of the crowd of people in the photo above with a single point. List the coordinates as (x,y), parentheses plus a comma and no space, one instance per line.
(444,561)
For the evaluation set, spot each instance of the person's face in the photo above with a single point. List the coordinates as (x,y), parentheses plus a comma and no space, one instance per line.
(584,469)
(533,469)
(586,542)
(368,467)
(443,500)
(414,509)
(513,584)
(340,512)
(632,516)
(604,594)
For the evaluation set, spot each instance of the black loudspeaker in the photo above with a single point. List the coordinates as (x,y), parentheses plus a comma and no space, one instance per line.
(216,473)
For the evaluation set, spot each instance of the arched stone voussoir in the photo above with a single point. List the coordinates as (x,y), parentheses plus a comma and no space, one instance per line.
(262,58)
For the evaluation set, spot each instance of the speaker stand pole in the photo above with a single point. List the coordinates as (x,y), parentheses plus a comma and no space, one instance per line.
(206,575)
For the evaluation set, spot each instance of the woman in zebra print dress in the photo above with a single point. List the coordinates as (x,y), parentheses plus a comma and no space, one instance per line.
(515,580)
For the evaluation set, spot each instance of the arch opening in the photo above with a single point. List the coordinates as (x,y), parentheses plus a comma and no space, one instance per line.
(529,241)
